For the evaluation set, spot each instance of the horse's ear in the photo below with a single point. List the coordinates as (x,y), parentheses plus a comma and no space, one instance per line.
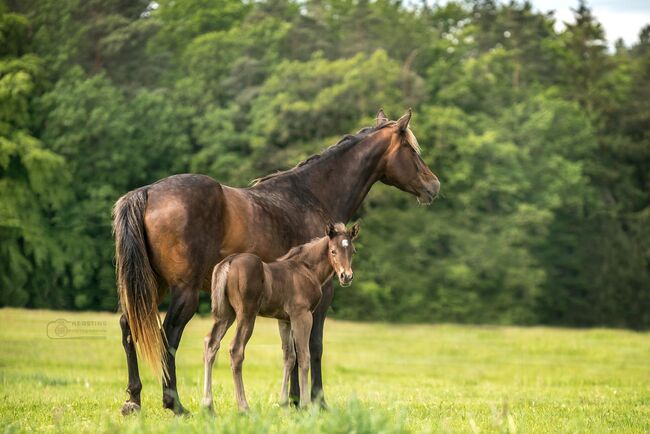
(403,122)
(381,117)
(330,230)
(354,231)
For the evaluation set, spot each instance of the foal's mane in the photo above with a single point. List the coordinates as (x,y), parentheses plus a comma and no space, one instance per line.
(298,252)
(346,142)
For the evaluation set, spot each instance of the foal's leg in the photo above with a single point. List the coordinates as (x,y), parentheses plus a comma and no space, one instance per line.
(289,352)
(184,301)
(212,344)
(244,331)
(301,328)
(315,350)
(135,385)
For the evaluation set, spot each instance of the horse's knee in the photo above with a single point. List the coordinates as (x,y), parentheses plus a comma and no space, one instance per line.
(236,358)
(290,358)
(210,351)
(124,325)
(127,339)
(303,359)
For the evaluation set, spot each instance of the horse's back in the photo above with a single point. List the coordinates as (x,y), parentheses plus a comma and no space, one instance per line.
(183,223)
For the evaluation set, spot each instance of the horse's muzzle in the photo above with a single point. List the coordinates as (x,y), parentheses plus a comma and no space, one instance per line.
(345,279)
(429,192)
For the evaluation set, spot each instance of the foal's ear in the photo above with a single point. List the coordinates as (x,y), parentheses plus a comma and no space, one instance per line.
(381,117)
(403,122)
(354,231)
(330,230)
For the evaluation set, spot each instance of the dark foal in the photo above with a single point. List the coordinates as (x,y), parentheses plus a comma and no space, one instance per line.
(289,289)
(169,235)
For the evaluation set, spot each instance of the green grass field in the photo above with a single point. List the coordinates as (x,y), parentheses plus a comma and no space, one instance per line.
(378,378)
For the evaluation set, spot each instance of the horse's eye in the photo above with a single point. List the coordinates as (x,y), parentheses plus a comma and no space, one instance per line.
(333,252)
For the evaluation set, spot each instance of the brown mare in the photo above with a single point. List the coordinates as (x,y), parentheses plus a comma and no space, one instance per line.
(289,289)
(169,235)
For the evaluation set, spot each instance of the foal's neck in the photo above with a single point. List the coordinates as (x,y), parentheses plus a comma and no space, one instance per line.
(315,256)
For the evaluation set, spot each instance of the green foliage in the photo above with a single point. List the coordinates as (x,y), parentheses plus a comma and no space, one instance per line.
(540,139)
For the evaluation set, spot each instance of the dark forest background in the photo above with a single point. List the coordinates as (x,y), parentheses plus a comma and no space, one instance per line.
(541,140)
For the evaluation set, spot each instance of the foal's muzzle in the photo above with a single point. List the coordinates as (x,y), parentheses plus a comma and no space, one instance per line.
(345,279)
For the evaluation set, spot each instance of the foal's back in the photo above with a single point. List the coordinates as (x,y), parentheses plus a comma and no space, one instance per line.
(276,289)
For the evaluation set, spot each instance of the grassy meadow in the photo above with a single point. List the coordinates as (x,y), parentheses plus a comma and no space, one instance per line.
(378,378)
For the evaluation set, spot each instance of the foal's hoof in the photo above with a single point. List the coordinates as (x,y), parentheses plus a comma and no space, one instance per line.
(130,407)
(208,410)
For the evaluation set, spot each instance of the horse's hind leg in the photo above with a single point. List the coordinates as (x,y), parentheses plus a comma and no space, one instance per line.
(184,301)
(289,352)
(135,385)
(245,324)
(212,344)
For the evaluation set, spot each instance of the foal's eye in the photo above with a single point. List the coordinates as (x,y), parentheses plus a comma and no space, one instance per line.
(333,252)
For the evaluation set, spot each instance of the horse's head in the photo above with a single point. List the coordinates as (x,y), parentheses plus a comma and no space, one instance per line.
(404,167)
(341,249)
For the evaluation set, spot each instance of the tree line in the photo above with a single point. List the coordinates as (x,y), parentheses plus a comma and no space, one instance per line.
(540,136)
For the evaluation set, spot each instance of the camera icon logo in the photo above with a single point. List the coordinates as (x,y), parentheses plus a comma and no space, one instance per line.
(58,329)
(83,329)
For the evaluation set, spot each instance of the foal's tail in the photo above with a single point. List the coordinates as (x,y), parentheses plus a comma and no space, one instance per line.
(220,305)
(136,280)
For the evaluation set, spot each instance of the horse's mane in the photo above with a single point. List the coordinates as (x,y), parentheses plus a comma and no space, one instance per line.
(346,142)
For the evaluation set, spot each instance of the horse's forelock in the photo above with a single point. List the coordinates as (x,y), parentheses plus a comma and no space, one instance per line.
(411,140)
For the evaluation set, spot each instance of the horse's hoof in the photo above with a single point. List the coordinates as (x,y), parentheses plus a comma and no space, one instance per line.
(179,410)
(175,406)
(130,407)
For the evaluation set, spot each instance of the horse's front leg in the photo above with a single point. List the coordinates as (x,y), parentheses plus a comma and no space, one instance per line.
(316,344)
(135,385)
(184,301)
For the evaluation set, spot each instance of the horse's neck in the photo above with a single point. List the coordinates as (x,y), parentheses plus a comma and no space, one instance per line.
(341,182)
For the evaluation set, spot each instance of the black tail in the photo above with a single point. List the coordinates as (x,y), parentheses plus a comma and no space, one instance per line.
(136,281)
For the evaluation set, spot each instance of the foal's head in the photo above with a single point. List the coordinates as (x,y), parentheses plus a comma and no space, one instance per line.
(405,168)
(341,249)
